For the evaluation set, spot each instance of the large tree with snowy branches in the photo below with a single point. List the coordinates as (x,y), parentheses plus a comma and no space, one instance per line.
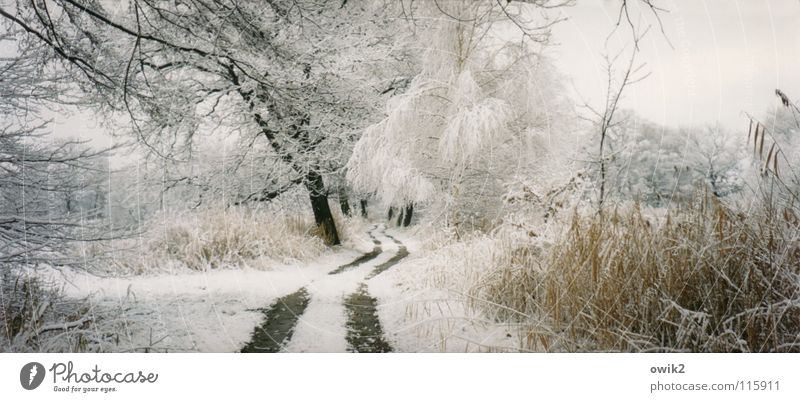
(286,76)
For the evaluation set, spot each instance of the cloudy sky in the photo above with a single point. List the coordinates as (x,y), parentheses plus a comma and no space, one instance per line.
(717,58)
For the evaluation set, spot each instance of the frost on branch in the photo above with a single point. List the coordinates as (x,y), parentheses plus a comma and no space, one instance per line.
(474,121)
(483,111)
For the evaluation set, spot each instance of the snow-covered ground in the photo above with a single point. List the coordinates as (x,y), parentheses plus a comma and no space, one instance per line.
(322,327)
(217,310)
(210,311)
(418,315)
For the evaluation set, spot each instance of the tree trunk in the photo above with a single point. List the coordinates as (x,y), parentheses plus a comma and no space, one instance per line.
(408,214)
(391,213)
(322,211)
(400,216)
(313,181)
(343,202)
(364,208)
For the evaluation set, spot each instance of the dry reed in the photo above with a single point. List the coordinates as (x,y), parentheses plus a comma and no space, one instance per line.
(705,279)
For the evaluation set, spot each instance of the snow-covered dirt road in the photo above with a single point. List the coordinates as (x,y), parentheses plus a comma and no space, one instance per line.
(333,313)
(322,306)
(381,293)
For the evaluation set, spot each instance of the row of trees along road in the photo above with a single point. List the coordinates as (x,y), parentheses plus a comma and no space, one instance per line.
(300,76)
(299,80)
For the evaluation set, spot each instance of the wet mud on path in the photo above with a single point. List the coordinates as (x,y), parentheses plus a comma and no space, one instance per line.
(364,332)
(362,327)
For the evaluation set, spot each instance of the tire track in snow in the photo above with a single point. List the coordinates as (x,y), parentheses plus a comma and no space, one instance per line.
(280,320)
(323,327)
(364,332)
(376,251)
(318,317)
(401,253)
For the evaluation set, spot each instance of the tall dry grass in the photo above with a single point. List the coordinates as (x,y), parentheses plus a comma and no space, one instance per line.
(705,279)
(35,317)
(214,238)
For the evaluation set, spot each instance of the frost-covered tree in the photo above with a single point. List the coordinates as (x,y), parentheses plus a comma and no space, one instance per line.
(45,185)
(51,197)
(285,74)
(659,165)
(646,161)
(715,156)
(483,111)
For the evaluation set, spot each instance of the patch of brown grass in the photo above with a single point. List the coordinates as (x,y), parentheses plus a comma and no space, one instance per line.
(706,279)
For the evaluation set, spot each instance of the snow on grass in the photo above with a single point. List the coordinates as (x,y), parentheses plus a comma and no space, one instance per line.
(197,282)
(423,302)
(209,311)
(214,237)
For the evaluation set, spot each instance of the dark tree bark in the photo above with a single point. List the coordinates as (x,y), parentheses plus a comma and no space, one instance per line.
(364,208)
(409,212)
(391,213)
(313,180)
(267,194)
(322,211)
(400,216)
(344,202)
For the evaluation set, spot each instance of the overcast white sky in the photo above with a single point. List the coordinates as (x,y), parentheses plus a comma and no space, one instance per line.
(727,56)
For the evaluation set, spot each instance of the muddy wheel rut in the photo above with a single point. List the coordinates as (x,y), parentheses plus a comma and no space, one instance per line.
(376,251)
(363,328)
(364,333)
(279,322)
(401,253)
(358,261)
